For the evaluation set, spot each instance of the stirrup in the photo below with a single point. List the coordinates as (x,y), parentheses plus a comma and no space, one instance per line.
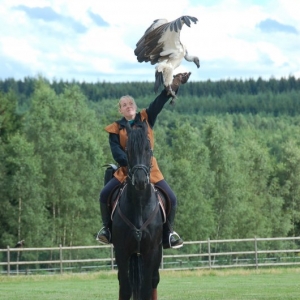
(103,238)
(179,239)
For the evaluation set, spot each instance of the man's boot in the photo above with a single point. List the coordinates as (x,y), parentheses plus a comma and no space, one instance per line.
(104,235)
(170,238)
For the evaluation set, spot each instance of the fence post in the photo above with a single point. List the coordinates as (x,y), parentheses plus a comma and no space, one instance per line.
(60,258)
(18,258)
(209,254)
(8,261)
(162,260)
(200,253)
(112,256)
(256,257)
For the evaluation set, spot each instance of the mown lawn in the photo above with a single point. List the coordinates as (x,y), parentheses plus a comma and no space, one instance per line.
(279,284)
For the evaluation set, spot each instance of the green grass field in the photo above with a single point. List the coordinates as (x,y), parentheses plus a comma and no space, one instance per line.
(281,284)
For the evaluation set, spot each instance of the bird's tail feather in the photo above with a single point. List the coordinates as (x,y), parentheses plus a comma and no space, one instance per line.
(158,80)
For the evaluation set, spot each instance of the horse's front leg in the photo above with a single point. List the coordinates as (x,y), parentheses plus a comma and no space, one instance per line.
(124,285)
(125,291)
(151,275)
(155,276)
(154,294)
(155,281)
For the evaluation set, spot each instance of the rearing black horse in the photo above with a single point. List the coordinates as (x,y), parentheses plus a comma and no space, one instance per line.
(137,223)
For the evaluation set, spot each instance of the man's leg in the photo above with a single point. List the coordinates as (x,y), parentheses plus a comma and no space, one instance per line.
(104,235)
(170,238)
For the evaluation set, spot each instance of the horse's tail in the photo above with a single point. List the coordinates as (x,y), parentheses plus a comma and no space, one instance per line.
(135,275)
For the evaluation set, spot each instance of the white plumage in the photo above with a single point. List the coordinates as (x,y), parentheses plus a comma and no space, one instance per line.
(161,45)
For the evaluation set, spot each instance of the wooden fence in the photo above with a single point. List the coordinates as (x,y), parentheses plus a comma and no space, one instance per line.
(209,254)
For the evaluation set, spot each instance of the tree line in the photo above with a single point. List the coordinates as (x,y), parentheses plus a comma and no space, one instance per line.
(236,175)
(231,95)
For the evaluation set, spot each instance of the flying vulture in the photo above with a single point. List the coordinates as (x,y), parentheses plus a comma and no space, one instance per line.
(161,45)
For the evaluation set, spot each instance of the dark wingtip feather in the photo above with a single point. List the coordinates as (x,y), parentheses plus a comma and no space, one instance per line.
(171,26)
(193,19)
(178,24)
(186,20)
(175,26)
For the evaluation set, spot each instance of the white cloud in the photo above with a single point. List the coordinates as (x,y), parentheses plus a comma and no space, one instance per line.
(226,39)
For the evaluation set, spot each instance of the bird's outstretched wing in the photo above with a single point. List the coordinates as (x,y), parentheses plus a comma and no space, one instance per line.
(162,40)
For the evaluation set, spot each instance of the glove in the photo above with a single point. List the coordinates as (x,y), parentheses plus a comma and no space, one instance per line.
(180,78)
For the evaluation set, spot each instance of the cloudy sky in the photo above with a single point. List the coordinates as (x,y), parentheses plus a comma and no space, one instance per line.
(94,40)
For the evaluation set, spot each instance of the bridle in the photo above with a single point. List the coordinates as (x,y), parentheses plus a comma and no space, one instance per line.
(132,171)
(135,168)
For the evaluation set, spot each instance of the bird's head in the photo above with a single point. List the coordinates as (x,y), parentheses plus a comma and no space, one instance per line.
(192,58)
(197,61)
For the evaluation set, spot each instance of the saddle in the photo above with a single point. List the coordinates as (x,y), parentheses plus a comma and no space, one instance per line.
(162,197)
(109,172)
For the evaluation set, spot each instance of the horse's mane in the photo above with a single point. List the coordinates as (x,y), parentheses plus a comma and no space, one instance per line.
(143,218)
(137,139)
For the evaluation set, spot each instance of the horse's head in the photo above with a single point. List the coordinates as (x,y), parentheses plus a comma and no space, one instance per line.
(139,154)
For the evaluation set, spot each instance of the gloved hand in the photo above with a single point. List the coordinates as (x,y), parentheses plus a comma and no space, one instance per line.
(180,78)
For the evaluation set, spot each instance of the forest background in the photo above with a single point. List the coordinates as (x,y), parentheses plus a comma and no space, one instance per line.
(230,150)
